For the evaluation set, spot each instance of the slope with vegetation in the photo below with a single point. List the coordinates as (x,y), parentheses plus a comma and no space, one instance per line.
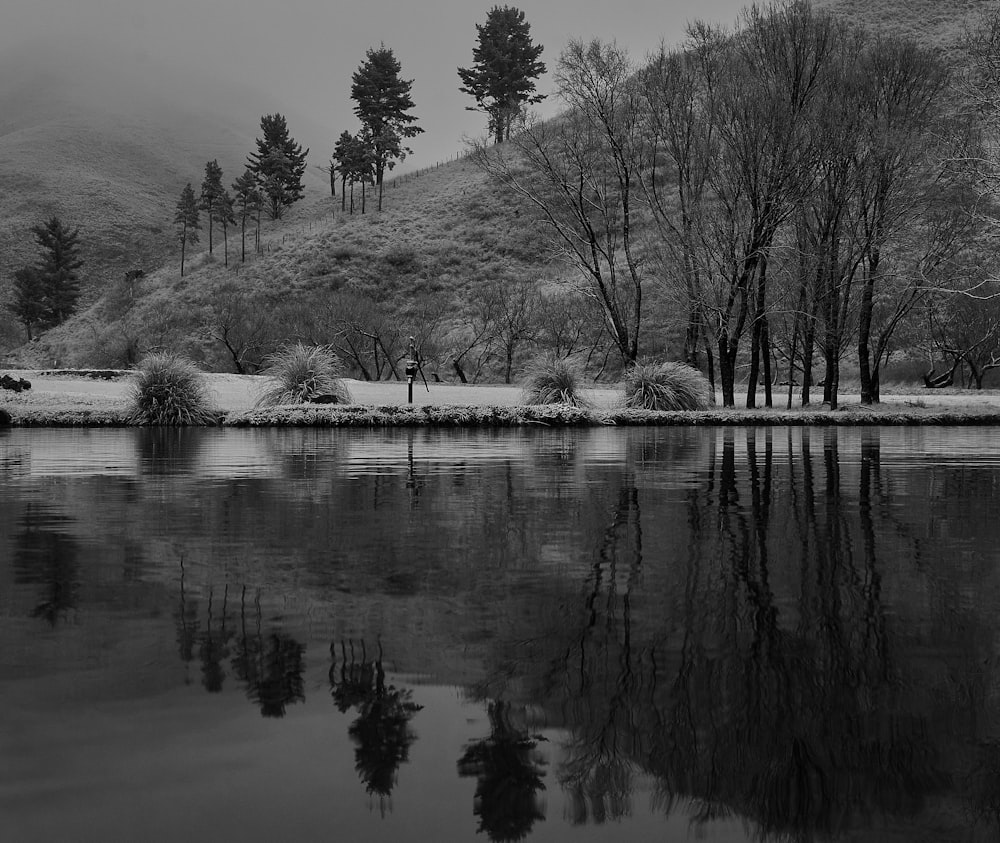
(467,257)
(107,152)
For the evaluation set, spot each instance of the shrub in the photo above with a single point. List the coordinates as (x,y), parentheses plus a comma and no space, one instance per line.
(552,382)
(401,257)
(168,389)
(666,386)
(304,374)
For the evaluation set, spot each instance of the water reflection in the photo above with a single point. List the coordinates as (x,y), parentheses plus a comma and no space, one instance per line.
(167,450)
(508,770)
(791,628)
(270,663)
(46,555)
(787,709)
(381,732)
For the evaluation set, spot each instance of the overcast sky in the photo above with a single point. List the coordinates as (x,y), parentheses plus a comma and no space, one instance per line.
(300,54)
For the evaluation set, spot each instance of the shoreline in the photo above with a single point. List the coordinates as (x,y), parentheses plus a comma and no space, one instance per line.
(74,399)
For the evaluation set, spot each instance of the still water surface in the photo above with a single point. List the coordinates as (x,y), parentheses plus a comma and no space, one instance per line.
(570,635)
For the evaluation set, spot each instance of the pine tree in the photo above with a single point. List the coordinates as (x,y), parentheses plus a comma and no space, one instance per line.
(224,214)
(248,201)
(382,102)
(342,159)
(211,193)
(274,186)
(502,79)
(58,267)
(187,220)
(278,159)
(355,161)
(28,303)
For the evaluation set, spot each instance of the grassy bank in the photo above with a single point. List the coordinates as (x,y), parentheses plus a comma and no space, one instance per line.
(72,399)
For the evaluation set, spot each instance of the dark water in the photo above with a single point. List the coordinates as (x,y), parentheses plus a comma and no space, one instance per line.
(548,635)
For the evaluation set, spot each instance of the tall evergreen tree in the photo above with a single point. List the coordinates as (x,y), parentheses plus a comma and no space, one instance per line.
(274,186)
(342,159)
(248,201)
(58,267)
(186,218)
(382,102)
(279,160)
(506,65)
(28,303)
(224,214)
(211,194)
(355,158)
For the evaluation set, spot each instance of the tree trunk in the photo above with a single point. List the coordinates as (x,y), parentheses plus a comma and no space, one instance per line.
(757,334)
(808,347)
(711,364)
(458,371)
(243,239)
(865,331)
(765,344)
(727,372)
(183,247)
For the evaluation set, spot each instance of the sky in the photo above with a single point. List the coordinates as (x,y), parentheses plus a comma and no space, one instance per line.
(297,56)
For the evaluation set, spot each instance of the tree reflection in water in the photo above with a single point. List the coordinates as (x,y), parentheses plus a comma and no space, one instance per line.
(270,665)
(785,707)
(214,647)
(46,555)
(508,771)
(381,732)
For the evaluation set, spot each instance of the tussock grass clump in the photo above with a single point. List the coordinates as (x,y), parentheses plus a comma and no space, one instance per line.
(168,389)
(666,386)
(302,374)
(552,382)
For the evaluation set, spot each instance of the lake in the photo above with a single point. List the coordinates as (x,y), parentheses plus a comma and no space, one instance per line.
(723,634)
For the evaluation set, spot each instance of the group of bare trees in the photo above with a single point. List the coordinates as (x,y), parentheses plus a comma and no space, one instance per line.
(510,323)
(797,189)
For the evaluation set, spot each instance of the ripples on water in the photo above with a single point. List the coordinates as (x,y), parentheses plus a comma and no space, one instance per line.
(547,635)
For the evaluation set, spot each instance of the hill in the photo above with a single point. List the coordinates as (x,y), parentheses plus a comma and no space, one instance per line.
(109,151)
(419,267)
(931,23)
(115,152)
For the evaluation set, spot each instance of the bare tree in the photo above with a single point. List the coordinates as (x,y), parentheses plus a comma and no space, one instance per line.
(580,172)
(679,99)
(967,330)
(244,323)
(902,110)
(515,305)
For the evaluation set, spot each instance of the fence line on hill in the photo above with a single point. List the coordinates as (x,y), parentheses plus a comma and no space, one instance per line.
(403,178)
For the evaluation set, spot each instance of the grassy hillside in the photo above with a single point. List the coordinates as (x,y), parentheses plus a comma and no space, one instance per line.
(112,155)
(109,153)
(440,238)
(932,23)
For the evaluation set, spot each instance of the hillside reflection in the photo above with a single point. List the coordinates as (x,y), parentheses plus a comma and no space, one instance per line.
(792,629)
